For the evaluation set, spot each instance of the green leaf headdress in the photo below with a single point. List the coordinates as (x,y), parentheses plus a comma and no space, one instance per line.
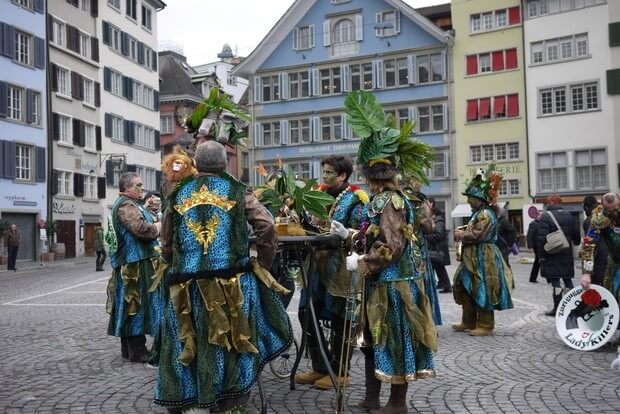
(485,184)
(384,150)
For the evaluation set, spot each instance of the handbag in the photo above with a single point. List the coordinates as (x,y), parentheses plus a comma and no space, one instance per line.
(556,240)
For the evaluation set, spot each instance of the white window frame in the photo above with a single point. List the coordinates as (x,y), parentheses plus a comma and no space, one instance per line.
(88,85)
(590,98)
(24,158)
(116,83)
(304,37)
(115,4)
(381,20)
(24,48)
(59,32)
(25,4)
(166,124)
(90,141)
(85,45)
(90,187)
(131,5)
(117,128)
(65,129)
(589,166)
(15,104)
(301,169)
(577,43)
(65,183)
(64,82)
(489,20)
(553,170)
(148,12)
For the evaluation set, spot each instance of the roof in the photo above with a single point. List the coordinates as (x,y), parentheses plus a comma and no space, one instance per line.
(435,11)
(294,14)
(176,76)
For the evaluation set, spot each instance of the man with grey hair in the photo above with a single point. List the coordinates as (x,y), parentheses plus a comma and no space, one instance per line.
(224,321)
(132,238)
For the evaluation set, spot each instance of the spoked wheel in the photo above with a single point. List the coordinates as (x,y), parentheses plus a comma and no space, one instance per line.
(283,364)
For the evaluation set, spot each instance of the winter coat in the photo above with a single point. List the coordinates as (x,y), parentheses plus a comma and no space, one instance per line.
(438,239)
(532,231)
(600,260)
(506,235)
(559,265)
(99,246)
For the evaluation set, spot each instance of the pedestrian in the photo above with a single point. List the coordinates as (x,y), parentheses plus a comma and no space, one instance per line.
(506,236)
(132,250)
(400,336)
(11,241)
(438,248)
(532,231)
(99,248)
(602,253)
(332,282)
(224,320)
(483,280)
(558,266)
(152,203)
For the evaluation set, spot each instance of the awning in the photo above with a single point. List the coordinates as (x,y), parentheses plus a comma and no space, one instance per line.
(463,210)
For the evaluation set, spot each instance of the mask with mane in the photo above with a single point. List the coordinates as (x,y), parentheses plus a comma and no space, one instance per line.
(177,165)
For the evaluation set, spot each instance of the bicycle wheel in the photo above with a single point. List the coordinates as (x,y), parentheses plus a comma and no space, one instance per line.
(282,365)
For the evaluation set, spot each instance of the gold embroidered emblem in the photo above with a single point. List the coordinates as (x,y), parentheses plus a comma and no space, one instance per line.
(205,233)
(202,197)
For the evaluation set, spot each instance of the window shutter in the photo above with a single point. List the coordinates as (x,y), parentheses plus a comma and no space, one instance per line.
(78,184)
(485,108)
(316,168)
(397,21)
(445,116)
(94,49)
(472,110)
(295,38)
(613,82)
(3,99)
(75,85)
(101,184)
(413,117)
(283,77)
(141,53)
(345,78)
(316,82)
(8,36)
(316,129)
(94,8)
(498,61)
(378,21)
(30,103)
(513,105)
(106,32)
(82,142)
(124,43)
(444,65)
(40,172)
(9,159)
(359,28)
(257,135)
(108,125)
(284,132)
(54,77)
(326,33)
(345,127)
(472,64)
(514,15)
(511,58)
(158,180)
(97,94)
(157,140)
(98,138)
(54,182)
(39,53)
(154,60)
(156,100)
(129,88)
(377,78)
(312,35)
(38,6)
(76,131)
(411,70)
(614,34)
(257,89)
(1,158)
(109,172)
(499,106)
(131,168)
(55,127)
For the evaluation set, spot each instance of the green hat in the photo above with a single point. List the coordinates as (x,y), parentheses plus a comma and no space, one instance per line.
(484,185)
(385,150)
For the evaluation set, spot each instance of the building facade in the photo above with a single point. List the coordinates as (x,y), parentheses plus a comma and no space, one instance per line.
(572,96)
(23,120)
(489,100)
(298,84)
(130,112)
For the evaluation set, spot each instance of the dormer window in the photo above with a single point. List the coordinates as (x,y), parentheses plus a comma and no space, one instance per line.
(303,37)
(387,23)
(342,34)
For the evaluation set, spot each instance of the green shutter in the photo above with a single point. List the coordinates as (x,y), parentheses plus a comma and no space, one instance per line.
(614,34)
(613,82)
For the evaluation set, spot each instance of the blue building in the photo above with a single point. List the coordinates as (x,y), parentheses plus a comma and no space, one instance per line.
(23,120)
(320,50)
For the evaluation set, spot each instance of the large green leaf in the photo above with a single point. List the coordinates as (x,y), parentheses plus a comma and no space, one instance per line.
(414,157)
(365,115)
(316,202)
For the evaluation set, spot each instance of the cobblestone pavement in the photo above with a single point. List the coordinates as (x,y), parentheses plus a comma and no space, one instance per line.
(56,358)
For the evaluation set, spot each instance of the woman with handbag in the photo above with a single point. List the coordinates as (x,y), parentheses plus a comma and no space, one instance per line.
(557,264)
(438,249)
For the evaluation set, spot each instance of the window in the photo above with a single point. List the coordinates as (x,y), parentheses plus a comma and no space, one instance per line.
(148,177)
(343,32)
(430,67)
(23,162)
(388,23)
(513,151)
(475,154)
(116,83)
(131,10)
(58,33)
(475,25)
(65,183)
(271,88)
(303,37)
(430,118)
(361,76)
(569,99)
(89,91)
(557,50)
(496,152)
(591,169)
(485,63)
(64,129)
(26,4)
(146,17)
(501,18)
(231,79)
(300,170)
(330,81)
(90,187)
(166,124)
(89,137)
(117,128)
(115,3)
(539,8)
(299,131)
(482,22)
(440,165)
(115,38)
(64,84)
(552,172)
(491,62)
(85,5)
(299,85)
(23,48)
(271,133)
(497,107)
(15,101)
(85,45)
(422,62)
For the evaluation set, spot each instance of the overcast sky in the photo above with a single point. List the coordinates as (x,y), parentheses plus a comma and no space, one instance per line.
(201,27)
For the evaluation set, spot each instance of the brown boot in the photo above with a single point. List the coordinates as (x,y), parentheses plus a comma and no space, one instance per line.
(481,332)
(461,327)
(373,386)
(397,404)
(308,377)
(325,383)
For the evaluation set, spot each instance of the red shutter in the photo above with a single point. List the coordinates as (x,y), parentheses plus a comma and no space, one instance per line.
(514,15)
(513,105)
(472,110)
(499,106)
(485,108)
(472,64)
(511,58)
(498,61)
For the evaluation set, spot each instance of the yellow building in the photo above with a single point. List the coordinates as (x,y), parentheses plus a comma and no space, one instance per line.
(489,99)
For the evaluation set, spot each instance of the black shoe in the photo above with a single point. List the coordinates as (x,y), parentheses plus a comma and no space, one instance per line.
(447,290)
(15,269)
(533,281)
(141,358)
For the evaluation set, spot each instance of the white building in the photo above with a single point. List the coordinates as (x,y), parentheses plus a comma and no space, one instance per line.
(573,144)
(233,85)
(130,100)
